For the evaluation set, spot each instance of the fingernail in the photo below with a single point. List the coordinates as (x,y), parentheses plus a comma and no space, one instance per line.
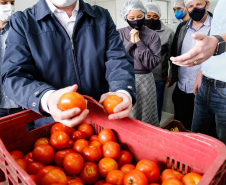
(111,117)
(116,110)
(77,110)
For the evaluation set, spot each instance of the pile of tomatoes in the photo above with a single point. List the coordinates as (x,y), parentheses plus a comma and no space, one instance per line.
(77,157)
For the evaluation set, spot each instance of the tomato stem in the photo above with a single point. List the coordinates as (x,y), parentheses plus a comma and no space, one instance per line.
(130,181)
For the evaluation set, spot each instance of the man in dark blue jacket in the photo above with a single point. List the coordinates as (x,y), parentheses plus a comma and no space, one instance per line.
(56,44)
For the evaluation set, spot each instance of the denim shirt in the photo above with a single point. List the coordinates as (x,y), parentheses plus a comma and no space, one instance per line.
(5,102)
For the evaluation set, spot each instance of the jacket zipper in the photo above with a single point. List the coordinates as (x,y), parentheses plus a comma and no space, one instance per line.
(72,47)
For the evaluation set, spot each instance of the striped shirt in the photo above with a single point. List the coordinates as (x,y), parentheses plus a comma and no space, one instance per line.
(187,75)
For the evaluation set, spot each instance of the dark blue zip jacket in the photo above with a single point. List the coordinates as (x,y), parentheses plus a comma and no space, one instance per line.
(40,55)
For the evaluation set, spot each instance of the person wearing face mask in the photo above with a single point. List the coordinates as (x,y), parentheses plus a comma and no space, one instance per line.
(180,10)
(183,97)
(144,45)
(7,106)
(61,46)
(166,36)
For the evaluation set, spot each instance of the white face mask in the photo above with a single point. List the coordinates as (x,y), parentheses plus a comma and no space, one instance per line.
(6,11)
(63,3)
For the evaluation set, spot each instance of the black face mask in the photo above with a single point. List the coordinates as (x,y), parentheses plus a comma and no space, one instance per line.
(198,13)
(153,24)
(137,24)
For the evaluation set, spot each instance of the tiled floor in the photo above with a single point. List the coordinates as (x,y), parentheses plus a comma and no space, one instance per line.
(166,117)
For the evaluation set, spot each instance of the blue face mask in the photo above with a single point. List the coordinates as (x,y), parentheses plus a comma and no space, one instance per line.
(179,14)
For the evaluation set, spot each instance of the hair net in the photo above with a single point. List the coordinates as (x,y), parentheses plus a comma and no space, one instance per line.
(178,3)
(186,2)
(152,7)
(132,5)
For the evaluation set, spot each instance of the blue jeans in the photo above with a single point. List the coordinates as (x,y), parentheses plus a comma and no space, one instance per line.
(160,87)
(210,103)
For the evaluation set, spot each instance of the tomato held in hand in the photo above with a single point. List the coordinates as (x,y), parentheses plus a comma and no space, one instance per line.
(106,165)
(72,100)
(87,129)
(89,173)
(150,169)
(43,153)
(172,182)
(111,149)
(124,158)
(135,177)
(191,179)
(115,177)
(73,163)
(59,140)
(111,102)
(105,136)
(171,174)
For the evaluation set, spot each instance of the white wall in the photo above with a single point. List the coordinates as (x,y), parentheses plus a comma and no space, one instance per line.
(21,5)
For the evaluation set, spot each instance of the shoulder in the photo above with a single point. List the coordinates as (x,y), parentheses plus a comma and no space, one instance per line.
(123,30)
(151,33)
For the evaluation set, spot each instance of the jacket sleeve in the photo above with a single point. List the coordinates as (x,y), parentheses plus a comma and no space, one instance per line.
(119,65)
(150,55)
(170,41)
(19,74)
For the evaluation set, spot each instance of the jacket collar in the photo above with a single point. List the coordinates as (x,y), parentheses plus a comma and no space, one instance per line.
(41,9)
(162,27)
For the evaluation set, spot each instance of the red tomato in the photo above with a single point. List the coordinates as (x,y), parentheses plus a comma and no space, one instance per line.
(73,163)
(76,183)
(60,155)
(154,184)
(127,168)
(79,145)
(74,179)
(71,144)
(150,169)
(124,158)
(72,100)
(172,182)
(43,153)
(100,182)
(106,165)
(59,140)
(105,136)
(87,129)
(54,176)
(78,135)
(107,184)
(135,177)
(171,174)
(34,178)
(43,172)
(111,102)
(94,138)
(89,173)
(111,149)
(16,154)
(60,127)
(28,157)
(95,143)
(41,141)
(22,163)
(191,179)
(34,167)
(92,153)
(115,177)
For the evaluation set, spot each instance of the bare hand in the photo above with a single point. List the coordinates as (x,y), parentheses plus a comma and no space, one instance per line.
(169,82)
(205,48)
(70,117)
(123,109)
(134,36)
(198,82)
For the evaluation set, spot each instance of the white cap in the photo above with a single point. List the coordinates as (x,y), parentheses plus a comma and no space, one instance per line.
(152,7)
(178,3)
(132,5)
(186,2)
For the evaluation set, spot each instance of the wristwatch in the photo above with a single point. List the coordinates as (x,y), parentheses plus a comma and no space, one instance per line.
(220,46)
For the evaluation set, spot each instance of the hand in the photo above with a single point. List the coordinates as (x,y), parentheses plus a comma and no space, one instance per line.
(205,48)
(198,82)
(137,38)
(134,36)
(123,109)
(169,82)
(70,117)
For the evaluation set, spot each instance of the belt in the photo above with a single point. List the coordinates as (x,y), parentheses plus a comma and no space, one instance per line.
(213,82)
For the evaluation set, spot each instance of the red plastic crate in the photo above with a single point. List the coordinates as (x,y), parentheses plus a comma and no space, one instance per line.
(182,151)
